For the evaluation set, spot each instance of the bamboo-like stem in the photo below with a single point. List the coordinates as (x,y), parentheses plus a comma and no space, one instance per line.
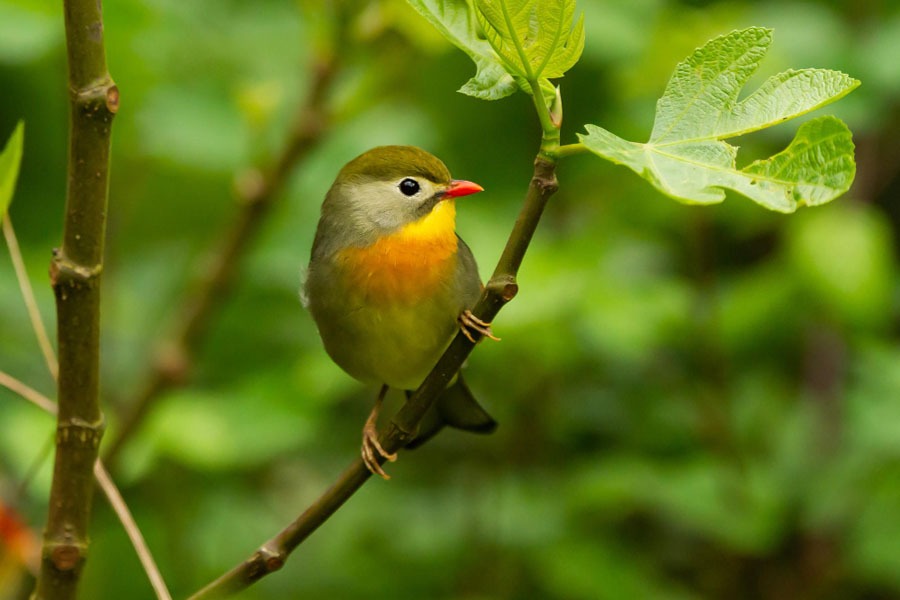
(500,289)
(75,276)
(256,197)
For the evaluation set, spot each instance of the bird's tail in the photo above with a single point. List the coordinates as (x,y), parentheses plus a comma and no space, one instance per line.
(456,407)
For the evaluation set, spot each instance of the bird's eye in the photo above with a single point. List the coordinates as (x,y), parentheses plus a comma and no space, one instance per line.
(409,187)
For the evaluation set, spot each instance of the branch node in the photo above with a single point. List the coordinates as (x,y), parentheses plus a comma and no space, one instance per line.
(112,99)
(101,95)
(265,561)
(66,272)
(503,287)
(65,555)
(80,433)
(545,179)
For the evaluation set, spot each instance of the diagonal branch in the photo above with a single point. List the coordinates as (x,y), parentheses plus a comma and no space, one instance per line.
(500,289)
(75,276)
(256,197)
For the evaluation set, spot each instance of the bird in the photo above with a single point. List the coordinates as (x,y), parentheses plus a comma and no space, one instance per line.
(389,283)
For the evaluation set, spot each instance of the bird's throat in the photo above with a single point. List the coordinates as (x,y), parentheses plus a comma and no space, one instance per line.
(405,266)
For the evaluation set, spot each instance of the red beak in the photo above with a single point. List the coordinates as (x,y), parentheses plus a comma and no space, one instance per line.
(461,187)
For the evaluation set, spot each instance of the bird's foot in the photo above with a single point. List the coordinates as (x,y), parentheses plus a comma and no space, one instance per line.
(370,443)
(469,324)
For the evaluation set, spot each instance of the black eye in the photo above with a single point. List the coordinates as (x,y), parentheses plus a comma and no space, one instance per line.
(409,187)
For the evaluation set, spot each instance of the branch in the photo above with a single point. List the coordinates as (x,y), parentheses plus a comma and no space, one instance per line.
(75,276)
(500,289)
(256,196)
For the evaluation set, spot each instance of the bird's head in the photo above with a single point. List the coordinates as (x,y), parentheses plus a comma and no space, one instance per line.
(389,188)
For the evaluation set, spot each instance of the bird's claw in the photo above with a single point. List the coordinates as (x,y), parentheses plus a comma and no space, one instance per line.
(371,446)
(469,324)
(370,443)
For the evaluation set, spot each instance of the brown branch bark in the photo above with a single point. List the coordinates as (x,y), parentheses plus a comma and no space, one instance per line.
(256,196)
(500,289)
(75,276)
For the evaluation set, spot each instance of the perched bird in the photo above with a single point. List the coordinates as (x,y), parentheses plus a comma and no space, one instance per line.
(389,283)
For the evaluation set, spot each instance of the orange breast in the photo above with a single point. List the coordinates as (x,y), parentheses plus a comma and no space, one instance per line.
(407,265)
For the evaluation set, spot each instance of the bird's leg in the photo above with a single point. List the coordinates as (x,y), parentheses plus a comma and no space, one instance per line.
(370,443)
(469,324)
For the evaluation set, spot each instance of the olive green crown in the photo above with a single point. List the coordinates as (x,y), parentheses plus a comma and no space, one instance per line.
(395,162)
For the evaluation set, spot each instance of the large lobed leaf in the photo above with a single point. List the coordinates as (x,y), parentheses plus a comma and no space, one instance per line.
(535,39)
(527,40)
(10,159)
(686,158)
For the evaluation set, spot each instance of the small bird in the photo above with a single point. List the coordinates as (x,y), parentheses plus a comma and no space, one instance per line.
(389,283)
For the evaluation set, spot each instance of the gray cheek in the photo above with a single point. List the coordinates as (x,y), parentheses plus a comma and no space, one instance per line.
(385,220)
(389,218)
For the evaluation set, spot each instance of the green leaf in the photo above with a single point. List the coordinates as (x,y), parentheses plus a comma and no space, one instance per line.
(534,39)
(842,257)
(10,159)
(28,31)
(686,157)
(454,19)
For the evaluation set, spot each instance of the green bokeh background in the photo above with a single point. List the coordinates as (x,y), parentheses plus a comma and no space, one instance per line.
(695,402)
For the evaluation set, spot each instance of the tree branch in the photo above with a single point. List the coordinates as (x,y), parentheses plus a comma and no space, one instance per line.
(75,276)
(256,195)
(500,289)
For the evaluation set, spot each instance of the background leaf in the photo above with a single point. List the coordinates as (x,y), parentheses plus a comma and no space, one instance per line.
(10,159)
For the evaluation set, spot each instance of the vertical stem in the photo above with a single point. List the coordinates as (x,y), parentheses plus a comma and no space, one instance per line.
(75,276)
(550,128)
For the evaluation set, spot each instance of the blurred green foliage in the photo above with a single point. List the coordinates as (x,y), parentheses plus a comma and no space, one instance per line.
(694,402)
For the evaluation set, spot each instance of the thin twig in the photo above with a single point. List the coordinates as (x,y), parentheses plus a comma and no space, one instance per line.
(501,288)
(131,528)
(29,393)
(109,490)
(34,313)
(256,195)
